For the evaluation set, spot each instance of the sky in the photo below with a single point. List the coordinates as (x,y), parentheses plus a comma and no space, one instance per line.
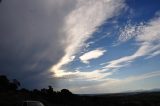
(86,46)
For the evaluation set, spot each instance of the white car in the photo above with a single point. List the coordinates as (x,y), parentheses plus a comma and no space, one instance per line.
(32,103)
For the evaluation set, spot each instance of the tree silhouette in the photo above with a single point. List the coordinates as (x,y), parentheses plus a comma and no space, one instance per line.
(14,84)
(4,83)
(66,92)
(24,90)
(50,89)
(44,91)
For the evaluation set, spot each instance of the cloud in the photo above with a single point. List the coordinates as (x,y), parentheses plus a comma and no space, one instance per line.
(143,76)
(87,75)
(81,23)
(148,39)
(147,47)
(129,31)
(73,80)
(85,58)
(112,85)
(31,39)
(37,36)
(124,61)
(156,53)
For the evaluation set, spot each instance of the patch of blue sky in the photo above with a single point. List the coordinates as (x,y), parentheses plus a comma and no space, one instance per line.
(142,10)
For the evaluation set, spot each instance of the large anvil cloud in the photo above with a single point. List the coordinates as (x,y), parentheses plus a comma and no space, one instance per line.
(30,39)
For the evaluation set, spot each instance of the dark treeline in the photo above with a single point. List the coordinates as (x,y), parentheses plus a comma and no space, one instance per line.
(12,95)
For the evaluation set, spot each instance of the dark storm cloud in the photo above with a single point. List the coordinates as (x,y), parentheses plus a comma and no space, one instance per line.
(30,35)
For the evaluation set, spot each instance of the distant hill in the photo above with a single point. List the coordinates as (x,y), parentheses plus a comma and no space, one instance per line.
(130,92)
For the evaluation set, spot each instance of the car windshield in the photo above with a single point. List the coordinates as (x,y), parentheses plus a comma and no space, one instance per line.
(35,104)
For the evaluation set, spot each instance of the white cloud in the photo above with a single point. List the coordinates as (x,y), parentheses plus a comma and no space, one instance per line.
(154,54)
(124,61)
(150,32)
(143,76)
(110,85)
(149,44)
(87,75)
(81,23)
(79,28)
(85,58)
(129,31)
(77,32)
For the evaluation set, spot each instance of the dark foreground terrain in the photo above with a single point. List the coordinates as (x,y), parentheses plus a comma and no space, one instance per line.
(10,95)
(141,99)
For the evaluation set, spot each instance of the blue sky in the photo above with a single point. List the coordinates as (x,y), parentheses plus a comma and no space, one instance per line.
(93,46)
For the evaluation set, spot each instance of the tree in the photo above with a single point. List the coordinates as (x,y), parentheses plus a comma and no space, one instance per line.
(4,83)
(24,90)
(44,91)
(65,92)
(14,84)
(50,89)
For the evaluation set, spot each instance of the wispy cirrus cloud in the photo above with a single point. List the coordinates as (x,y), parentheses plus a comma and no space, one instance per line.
(80,24)
(87,75)
(113,84)
(86,57)
(153,54)
(147,37)
(129,31)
